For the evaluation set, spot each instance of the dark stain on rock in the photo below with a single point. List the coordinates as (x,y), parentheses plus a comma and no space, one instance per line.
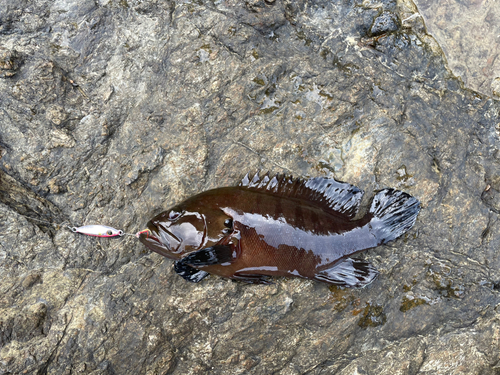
(341,298)
(373,316)
(409,303)
(31,279)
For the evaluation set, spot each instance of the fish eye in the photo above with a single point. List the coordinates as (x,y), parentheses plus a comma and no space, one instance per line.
(109,233)
(173,215)
(228,223)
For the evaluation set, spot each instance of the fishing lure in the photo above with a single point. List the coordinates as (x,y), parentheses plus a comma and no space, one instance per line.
(98,231)
(94,230)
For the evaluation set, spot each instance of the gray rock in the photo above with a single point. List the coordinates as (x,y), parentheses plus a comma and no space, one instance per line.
(469,34)
(387,22)
(111,111)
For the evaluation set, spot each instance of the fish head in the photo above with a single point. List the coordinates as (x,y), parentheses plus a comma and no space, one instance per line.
(182,230)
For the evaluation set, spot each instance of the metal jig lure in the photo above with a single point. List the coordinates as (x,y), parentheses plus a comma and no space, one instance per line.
(92,230)
(98,231)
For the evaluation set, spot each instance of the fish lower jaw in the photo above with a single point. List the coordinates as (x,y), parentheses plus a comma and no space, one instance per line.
(154,244)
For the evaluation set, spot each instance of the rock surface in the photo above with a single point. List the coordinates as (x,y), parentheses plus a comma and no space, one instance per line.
(469,34)
(111,111)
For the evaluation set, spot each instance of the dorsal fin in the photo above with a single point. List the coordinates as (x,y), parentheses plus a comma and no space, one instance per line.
(327,193)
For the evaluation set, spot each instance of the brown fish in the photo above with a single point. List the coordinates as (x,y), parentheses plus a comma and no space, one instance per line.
(280,227)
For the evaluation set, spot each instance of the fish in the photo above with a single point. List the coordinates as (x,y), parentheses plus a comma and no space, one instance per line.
(280,226)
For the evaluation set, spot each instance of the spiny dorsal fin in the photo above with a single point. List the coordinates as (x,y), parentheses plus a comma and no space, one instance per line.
(327,193)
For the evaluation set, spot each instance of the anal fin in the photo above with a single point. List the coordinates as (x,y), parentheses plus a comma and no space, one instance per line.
(349,273)
(217,254)
(189,273)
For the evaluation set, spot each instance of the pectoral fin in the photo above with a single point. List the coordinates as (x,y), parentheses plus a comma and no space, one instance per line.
(349,273)
(189,273)
(217,254)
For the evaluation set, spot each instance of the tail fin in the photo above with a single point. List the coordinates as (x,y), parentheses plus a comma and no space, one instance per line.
(394,212)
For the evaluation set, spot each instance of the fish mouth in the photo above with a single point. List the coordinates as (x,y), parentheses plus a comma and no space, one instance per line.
(160,240)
